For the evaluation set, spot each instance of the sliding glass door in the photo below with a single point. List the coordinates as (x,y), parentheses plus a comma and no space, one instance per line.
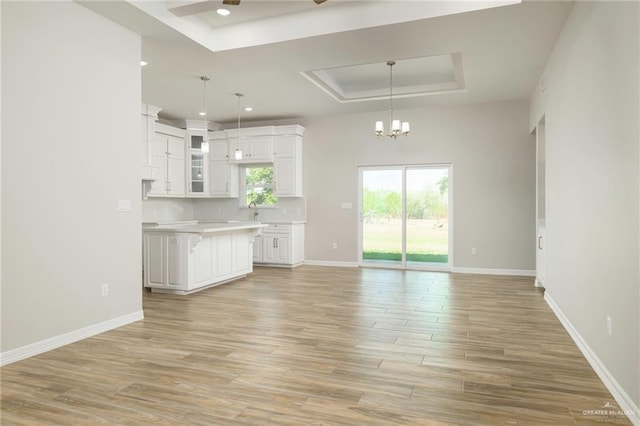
(405,216)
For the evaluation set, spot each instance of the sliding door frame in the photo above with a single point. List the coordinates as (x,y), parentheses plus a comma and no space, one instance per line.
(403,263)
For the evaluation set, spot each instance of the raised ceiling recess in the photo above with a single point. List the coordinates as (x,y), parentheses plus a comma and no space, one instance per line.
(427,75)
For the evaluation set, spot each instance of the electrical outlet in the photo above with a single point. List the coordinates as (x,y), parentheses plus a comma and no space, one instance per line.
(609,326)
(104,290)
(474,251)
(335,246)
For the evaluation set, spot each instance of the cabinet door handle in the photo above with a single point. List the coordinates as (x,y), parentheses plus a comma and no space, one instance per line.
(540,242)
(168,186)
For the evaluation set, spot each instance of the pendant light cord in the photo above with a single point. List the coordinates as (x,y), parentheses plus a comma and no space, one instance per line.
(204,79)
(239,95)
(391,64)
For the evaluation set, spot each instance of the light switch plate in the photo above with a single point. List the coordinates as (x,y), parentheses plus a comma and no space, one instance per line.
(347,205)
(124,205)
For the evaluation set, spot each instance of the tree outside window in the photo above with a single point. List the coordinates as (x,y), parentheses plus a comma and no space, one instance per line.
(258,186)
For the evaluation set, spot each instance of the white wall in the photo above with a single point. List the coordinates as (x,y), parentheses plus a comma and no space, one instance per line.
(493,157)
(71,89)
(591,110)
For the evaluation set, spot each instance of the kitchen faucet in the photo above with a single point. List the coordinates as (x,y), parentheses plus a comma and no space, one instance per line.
(254,208)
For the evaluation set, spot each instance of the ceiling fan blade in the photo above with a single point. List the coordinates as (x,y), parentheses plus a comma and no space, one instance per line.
(319,1)
(231,2)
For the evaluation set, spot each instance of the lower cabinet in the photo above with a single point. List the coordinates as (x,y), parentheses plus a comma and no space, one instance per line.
(280,245)
(182,263)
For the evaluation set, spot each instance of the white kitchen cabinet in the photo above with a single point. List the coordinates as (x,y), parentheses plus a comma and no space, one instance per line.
(256,144)
(224,177)
(257,249)
(224,180)
(275,248)
(168,162)
(285,181)
(287,164)
(218,146)
(256,149)
(149,117)
(198,165)
(164,263)
(281,245)
(183,263)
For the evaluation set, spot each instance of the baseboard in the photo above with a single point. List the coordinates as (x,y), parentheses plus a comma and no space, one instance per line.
(492,271)
(484,271)
(46,345)
(331,263)
(622,398)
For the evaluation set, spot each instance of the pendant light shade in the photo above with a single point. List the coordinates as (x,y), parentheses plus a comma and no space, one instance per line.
(397,127)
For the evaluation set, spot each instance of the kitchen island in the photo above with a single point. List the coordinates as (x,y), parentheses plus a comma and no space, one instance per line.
(185,257)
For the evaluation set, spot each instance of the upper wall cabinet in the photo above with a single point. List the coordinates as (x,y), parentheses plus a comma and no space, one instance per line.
(148,122)
(197,167)
(287,161)
(255,143)
(224,177)
(197,159)
(168,162)
(218,146)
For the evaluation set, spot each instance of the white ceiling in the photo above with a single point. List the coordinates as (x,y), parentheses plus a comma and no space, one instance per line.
(411,77)
(503,51)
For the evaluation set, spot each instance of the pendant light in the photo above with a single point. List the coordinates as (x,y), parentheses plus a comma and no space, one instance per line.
(238,153)
(396,127)
(205,139)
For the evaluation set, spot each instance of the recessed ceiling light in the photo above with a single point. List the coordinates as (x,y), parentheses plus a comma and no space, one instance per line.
(143,63)
(223,12)
(202,113)
(248,109)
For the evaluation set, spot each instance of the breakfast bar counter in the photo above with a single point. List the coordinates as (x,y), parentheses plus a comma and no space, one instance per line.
(182,258)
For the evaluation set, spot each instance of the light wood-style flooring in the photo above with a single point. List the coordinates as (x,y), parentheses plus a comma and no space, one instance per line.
(319,345)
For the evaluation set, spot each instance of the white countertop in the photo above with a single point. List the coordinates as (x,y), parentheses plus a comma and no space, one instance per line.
(203,228)
(285,222)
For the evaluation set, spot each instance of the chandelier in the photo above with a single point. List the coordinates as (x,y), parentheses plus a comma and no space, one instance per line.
(396,127)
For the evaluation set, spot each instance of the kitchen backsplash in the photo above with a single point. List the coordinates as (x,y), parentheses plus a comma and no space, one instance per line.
(170,209)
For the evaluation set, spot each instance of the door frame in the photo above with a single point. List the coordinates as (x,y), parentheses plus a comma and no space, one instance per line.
(445,267)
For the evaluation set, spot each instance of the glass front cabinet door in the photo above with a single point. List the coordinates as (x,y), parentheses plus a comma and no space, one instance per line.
(198,164)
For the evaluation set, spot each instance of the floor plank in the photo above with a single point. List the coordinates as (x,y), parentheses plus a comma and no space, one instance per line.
(321,345)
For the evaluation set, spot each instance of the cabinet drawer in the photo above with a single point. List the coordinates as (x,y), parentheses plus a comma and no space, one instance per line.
(277,229)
